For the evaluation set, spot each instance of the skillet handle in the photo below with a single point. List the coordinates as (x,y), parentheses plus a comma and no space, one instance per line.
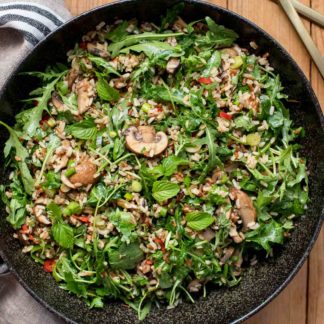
(4,270)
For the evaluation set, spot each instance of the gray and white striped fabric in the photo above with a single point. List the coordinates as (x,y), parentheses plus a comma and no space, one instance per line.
(22,25)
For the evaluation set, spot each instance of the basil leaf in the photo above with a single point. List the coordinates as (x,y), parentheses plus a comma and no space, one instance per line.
(63,235)
(126,257)
(199,220)
(85,129)
(171,163)
(124,222)
(105,91)
(163,190)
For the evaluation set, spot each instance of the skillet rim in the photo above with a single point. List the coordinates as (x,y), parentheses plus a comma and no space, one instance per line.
(262,33)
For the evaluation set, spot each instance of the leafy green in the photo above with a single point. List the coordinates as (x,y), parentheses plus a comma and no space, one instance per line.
(22,154)
(105,91)
(171,15)
(118,33)
(217,36)
(124,222)
(168,166)
(52,180)
(199,220)
(30,118)
(154,49)
(163,190)
(16,204)
(102,63)
(62,233)
(85,129)
(126,256)
(214,61)
(115,48)
(266,234)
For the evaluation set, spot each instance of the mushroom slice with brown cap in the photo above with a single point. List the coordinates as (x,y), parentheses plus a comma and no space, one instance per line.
(172,65)
(57,102)
(245,208)
(97,49)
(144,140)
(85,173)
(85,95)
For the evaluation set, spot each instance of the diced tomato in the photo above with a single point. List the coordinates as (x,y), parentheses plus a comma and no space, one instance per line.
(161,243)
(83,219)
(44,120)
(24,229)
(149,262)
(35,102)
(31,237)
(49,265)
(83,45)
(205,80)
(223,114)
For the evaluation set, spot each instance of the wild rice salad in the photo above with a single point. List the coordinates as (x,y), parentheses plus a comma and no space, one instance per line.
(162,159)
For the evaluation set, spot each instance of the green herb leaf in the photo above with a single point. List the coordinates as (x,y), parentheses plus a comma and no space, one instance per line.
(199,220)
(105,91)
(30,118)
(155,49)
(22,153)
(134,39)
(163,190)
(102,63)
(124,222)
(85,129)
(54,212)
(214,61)
(266,234)
(118,33)
(126,257)
(63,235)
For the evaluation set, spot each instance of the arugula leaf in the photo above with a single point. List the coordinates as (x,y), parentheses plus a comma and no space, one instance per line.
(118,33)
(126,257)
(155,49)
(114,48)
(16,204)
(105,91)
(199,220)
(171,15)
(163,190)
(102,63)
(214,61)
(22,153)
(30,118)
(217,36)
(85,129)
(266,234)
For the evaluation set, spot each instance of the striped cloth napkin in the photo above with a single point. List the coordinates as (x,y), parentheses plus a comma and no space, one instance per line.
(22,25)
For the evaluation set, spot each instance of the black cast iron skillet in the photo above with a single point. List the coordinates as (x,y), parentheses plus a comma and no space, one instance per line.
(261,283)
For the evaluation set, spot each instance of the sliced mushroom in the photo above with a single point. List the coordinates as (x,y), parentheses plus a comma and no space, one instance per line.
(172,65)
(179,24)
(85,95)
(245,208)
(231,51)
(85,173)
(228,252)
(97,49)
(195,285)
(72,75)
(144,140)
(57,102)
(207,234)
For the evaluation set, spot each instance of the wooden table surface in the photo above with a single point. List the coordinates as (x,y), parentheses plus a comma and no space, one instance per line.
(303,300)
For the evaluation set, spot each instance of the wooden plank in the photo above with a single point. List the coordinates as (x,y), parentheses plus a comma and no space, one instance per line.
(76,6)
(290,306)
(315,314)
